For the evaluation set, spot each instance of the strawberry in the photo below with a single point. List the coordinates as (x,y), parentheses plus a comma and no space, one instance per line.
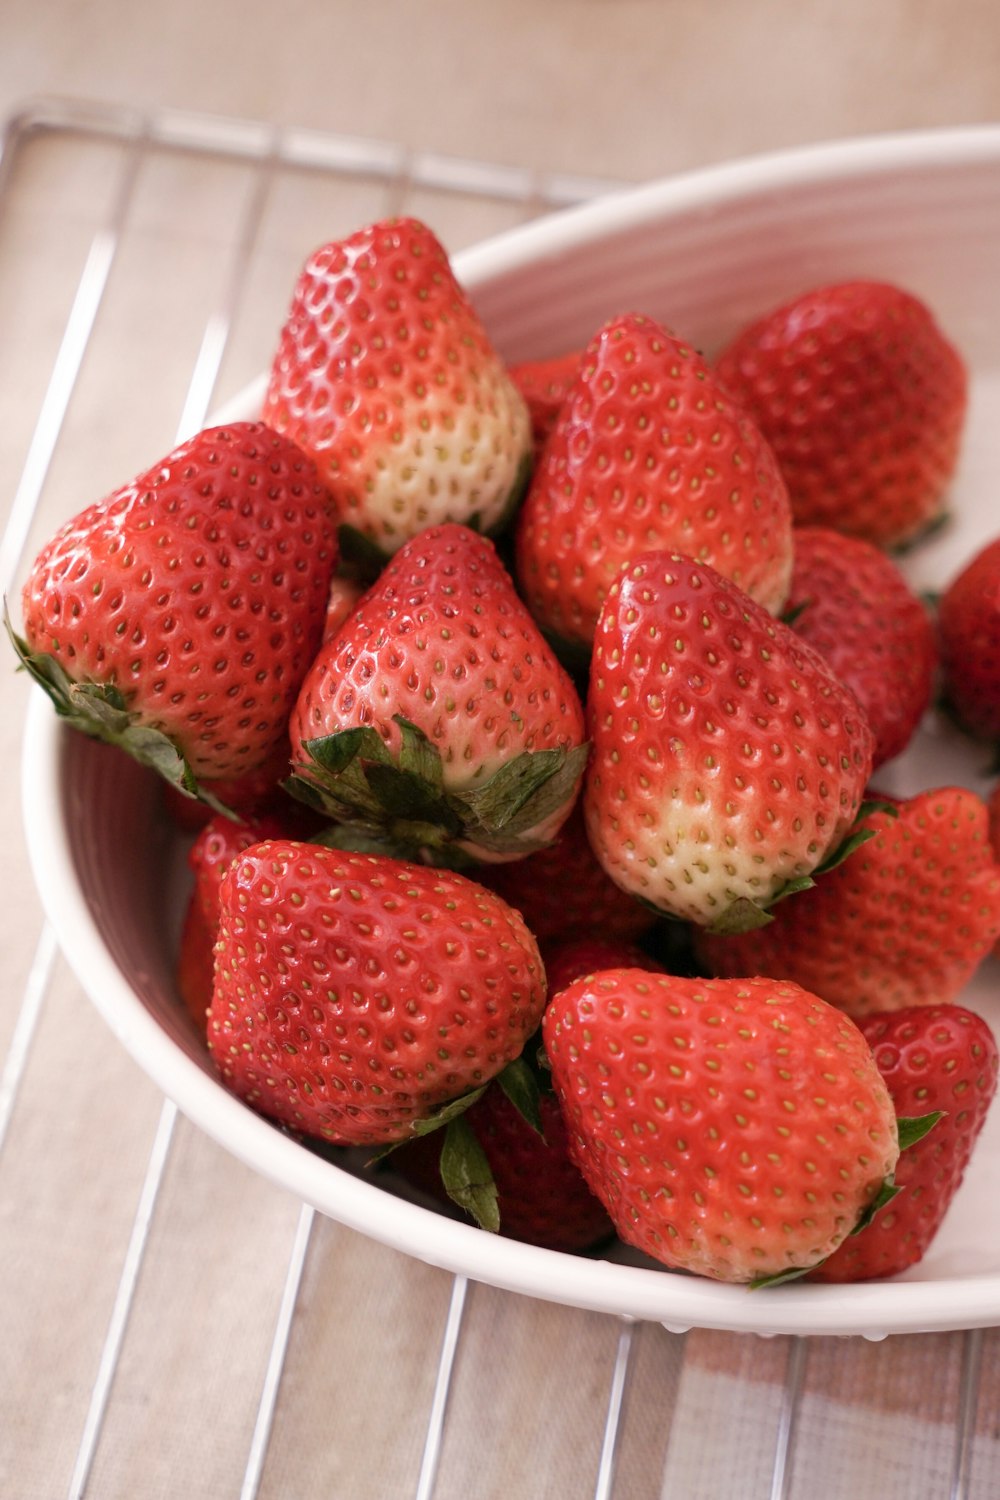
(647,452)
(355,995)
(938,1057)
(544,384)
(562,892)
(905,921)
(738,1129)
(571,958)
(437,718)
(969,633)
(177,618)
(728,762)
(541,1197)
(344,595)
(216,846)
(863,399)
(386,376)
(850,601)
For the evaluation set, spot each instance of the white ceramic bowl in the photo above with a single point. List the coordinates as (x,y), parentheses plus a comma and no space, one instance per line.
(703,253)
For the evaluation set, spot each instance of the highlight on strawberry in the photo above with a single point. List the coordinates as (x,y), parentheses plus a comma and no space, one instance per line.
(729,763)
(178,617)
(437,721)
(863,399)
(386,376)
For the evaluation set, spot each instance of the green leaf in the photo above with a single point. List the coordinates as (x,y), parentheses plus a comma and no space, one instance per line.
(362,556)
(779,1278)
(466,1175)
(741,915)
(885,1195)
(447,1112)
(521,1087)
(523,793)
(333,753)
(418,755)
(913,1128)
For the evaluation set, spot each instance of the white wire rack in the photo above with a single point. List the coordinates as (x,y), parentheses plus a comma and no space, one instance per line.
(91,194)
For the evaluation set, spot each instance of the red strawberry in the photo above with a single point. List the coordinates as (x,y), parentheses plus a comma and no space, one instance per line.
(437,717)
(727,759)
(544,384)
(736,1129)
(863,400)
(969,627)
(647,452)
(355,995)
(850,601)
(940,1057)
(209,857)
(344,595)
(905,921)
(572,958)
(541,1196)
(178,617)
(562,891)
(385,375)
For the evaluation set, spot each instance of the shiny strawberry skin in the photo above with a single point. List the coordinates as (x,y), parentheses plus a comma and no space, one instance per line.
(727,759)
(197,592)
(737,1129)
(354,994)
(442,641)
(385,374)
(969,632)
(906,920)
(647,452)
(939,1057)
(862,398)
(851,603)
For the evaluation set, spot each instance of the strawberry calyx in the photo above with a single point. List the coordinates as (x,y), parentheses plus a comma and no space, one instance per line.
(744,914)
(466,1174)
(100,710)
(911,1129)
(401,802)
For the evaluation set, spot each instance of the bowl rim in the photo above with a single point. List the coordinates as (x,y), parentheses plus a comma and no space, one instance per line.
(871,1309)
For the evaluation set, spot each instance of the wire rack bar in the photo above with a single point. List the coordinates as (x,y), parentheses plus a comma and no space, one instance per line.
(427,1478)
(276,1360)
(604,1488)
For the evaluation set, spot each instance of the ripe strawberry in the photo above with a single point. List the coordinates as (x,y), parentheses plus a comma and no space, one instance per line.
(541,1196)
(385,375)
(939,1057)
(344,595)
(572,958)
(863,400)
(969,630)
(647,452)
(739,1129)
(544,384)
(905,921)
(437,718)
(562,891)
(850,601)
(178,617)
(355,995)
(727,760)
(211,854)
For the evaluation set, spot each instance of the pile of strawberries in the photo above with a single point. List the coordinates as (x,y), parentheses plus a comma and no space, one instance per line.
(527,725)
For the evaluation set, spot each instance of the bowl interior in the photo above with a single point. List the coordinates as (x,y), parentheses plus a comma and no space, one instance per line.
(703,254)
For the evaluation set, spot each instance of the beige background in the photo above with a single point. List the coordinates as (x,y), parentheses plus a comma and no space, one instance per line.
(616,89)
